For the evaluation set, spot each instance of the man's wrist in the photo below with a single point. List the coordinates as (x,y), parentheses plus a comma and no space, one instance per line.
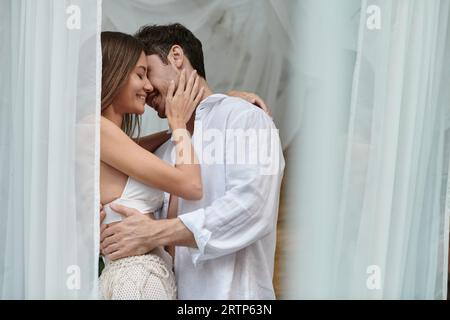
(177,124)
(184,236)
(173,232)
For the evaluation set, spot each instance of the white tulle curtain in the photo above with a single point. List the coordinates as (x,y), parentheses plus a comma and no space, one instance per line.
(247,44)
(372,156)
(49,90)
(364,114)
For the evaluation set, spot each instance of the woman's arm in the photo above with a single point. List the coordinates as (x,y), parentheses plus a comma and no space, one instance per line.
(122,153)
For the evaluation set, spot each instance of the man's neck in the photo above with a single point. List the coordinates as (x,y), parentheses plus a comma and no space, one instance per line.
(207,92)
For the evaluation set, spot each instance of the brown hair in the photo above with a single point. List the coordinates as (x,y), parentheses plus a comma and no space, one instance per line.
(159,39)
(120,53)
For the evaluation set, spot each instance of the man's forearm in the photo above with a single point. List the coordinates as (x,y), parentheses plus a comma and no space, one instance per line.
(153,141)
(173,232)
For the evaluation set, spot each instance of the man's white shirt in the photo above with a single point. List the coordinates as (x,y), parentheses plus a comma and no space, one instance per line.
(234,224)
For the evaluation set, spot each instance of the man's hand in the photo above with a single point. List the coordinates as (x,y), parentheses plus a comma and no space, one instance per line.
(129,237)
(253,99)
(139,234)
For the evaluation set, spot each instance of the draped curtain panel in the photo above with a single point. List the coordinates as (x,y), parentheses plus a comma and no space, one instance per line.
(50,86)
(372,155)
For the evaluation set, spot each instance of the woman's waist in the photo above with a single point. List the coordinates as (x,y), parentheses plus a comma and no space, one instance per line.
(157,255)
(143,206)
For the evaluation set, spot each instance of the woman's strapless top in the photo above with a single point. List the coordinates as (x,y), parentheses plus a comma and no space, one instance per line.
(141,197)
(138,196)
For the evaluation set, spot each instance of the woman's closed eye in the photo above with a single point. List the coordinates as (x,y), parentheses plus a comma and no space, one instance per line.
(141,72)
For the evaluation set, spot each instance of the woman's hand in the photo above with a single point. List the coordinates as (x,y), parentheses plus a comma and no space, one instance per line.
(252,98)
(180,104)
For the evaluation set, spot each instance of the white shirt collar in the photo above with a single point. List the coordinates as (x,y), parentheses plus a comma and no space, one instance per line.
(208,102)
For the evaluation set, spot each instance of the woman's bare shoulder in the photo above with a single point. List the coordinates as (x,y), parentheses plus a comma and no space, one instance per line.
(110,129)
(107,124)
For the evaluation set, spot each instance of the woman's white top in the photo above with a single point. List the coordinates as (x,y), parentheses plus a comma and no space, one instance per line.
(138,196)
(143,198)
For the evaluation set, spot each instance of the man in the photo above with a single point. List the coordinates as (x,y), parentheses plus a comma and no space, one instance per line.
(225,241)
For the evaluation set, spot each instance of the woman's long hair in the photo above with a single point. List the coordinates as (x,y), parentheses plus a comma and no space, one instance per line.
(120,53)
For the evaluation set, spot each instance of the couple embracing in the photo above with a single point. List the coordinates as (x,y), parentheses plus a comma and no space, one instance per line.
(191,212)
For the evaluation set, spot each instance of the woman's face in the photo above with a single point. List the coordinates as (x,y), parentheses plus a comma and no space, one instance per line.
(131,98)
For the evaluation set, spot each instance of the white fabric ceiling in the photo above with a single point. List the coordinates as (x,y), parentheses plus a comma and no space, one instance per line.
(248,44)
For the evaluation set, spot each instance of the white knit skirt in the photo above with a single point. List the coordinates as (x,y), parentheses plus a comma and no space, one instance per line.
(146,277)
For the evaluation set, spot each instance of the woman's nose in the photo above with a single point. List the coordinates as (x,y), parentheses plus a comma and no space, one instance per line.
(148,86)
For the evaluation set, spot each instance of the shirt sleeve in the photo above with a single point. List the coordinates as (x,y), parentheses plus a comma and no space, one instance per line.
(248,210)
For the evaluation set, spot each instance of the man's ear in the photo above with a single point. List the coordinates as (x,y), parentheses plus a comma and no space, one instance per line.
(176,56)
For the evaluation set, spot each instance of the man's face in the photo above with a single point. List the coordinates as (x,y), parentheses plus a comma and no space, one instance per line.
(160,76)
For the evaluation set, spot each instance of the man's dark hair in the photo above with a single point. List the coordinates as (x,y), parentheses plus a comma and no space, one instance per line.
(159,39)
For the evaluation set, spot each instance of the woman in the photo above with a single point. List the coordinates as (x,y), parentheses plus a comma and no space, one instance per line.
(134,177)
